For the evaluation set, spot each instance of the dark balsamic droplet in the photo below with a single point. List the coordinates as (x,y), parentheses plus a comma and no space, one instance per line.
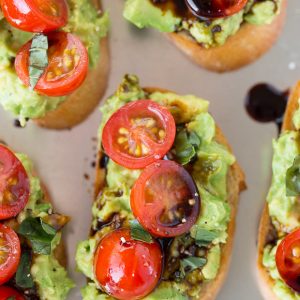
(264,103)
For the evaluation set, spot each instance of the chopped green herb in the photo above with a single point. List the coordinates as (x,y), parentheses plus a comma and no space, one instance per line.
(192,263)
(11,298)
(139,233)
(186,145)
(39,234)
(204,237)
(38,58)
(23,275)
(293,178)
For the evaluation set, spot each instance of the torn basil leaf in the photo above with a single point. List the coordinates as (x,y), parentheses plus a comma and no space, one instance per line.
(192,263)
(23,275)
(11,298)
(139,233)
(38,58)
(204,237)
(39,234)
(186,145)
(293,178)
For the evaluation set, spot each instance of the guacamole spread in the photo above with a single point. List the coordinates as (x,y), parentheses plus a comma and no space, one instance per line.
(283,209)
(208,33)
(84,21)
(209,169)
(50,278)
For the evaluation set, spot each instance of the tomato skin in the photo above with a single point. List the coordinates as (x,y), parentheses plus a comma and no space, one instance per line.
(165,199)
(125,268)
(288,260)
(63,85)
(215,8)
(6,292)
(134,118)
(9,266)
(26,15)
(11,169)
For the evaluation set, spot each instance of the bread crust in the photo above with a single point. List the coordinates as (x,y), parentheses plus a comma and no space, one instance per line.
(236,184)
(81,103)
(244,47)
(264,279)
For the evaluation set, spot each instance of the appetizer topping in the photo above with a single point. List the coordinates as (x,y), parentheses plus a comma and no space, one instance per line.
(35,15)
(7,293)
(138,134)
(14,184)
(67,65)
(23,276)
(215,8)
(288,260)
(10,251)
(126,268)
(138,233)
(165,199)
(293,178)
(39,233)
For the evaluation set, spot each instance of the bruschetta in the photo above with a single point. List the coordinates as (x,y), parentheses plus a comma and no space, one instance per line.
(218,35)
(166,196)
(32,256)
(50,56)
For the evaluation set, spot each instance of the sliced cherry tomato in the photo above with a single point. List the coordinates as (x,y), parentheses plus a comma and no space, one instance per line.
(67,68)
(125,268)
(35,15)
(10,251)
(215,8)
(7,293)
(165,199)
(138,134)
(14,184)
(288,260)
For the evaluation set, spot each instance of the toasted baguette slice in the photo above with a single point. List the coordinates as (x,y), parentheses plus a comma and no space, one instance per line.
(265,281)
(247,45)
(80,104)
(236,184)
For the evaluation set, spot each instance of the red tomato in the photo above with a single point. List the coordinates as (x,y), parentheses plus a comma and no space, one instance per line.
(138,134)
(67,68)
(7,293)
(215,8)
(10,251)
(125,268)
(165,199)
(35,15)
(288,260)
(14,184)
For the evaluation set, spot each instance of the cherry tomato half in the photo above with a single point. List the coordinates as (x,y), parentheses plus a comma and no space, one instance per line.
(215,8)
(14,184)
(165,199)
(35,15)
(288,260)
(67,68)
(9,293)
(138,134)
(125,268)
(10,251)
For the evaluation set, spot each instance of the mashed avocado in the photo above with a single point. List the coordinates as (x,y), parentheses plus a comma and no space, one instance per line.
(143,13)
(51,278)
(84,21)
(115,197)
(284,210)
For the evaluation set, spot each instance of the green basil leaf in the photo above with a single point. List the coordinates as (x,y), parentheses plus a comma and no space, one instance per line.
(139,233)
(23,275)
(38,58)
(293,178)
(39,234)
(11,298)
(186,146)
(204,237)
(192,263)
